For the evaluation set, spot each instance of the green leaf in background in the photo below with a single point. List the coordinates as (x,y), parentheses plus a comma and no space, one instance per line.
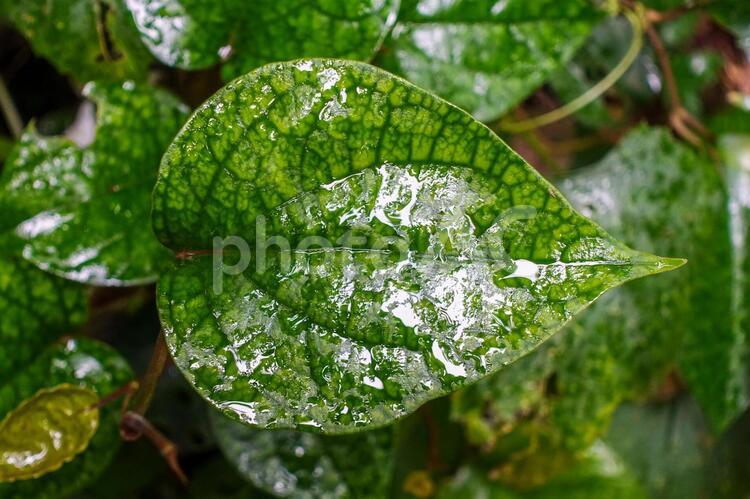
(82,213)
(600,473)
(85,364)
(486,56)
(657,194)
(735,152)
(665,444)
(88,39)
(303,465)
(422,253)
(47,431)
(193,34)
(35,309)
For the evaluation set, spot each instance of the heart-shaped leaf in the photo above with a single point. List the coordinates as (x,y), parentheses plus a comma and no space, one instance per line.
(400,249)
(303,465)
(47,431)
(193,34)
(85,364)
(82,213)
(84,38)
(483,55)
(35,309)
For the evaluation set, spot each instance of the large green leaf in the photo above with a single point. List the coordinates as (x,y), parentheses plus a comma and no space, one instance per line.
(35,309)
(599,474)
(86,364)
(47,431)
(193,34)
(303,465)
(483,55)
(87,39)
(82,213)
(426,254)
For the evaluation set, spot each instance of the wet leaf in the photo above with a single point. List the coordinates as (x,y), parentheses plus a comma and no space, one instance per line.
(303,465)
(599,474)
(35,309)
(193,34)
(86,364)
(87,39)
(46,431)
(82,213)
(423,254)
(486,56)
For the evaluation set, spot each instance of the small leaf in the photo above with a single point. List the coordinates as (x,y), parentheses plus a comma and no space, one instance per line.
(486,56)
(46,431)
(82,213)
(86,364)
(302,465)
(84,38)
(193,34)
(423,254)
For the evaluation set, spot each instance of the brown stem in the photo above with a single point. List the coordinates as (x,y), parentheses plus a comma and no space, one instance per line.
(133,426)
(159,359)
(665,65)
(682,122)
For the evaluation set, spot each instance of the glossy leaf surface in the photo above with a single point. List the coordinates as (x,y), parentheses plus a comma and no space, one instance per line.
(486,56)
(46,431)
(82,213)
(304,465)
(83,38)
(194,34)
(445,255)
(85,364)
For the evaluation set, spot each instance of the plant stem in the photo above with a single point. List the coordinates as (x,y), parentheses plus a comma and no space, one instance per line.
(133,426)
(685,124)
(665,65)
(12,117)
(159,358)
(636,23)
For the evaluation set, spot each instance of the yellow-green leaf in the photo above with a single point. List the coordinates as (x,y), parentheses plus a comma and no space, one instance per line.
(46,431)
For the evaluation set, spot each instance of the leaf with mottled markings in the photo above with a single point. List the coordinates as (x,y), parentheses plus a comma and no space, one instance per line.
(47,431)
(423,254)
(483,55)
(82,212)
(303,465)
(85,364)
(35,309)
(84,38)
(193,34)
